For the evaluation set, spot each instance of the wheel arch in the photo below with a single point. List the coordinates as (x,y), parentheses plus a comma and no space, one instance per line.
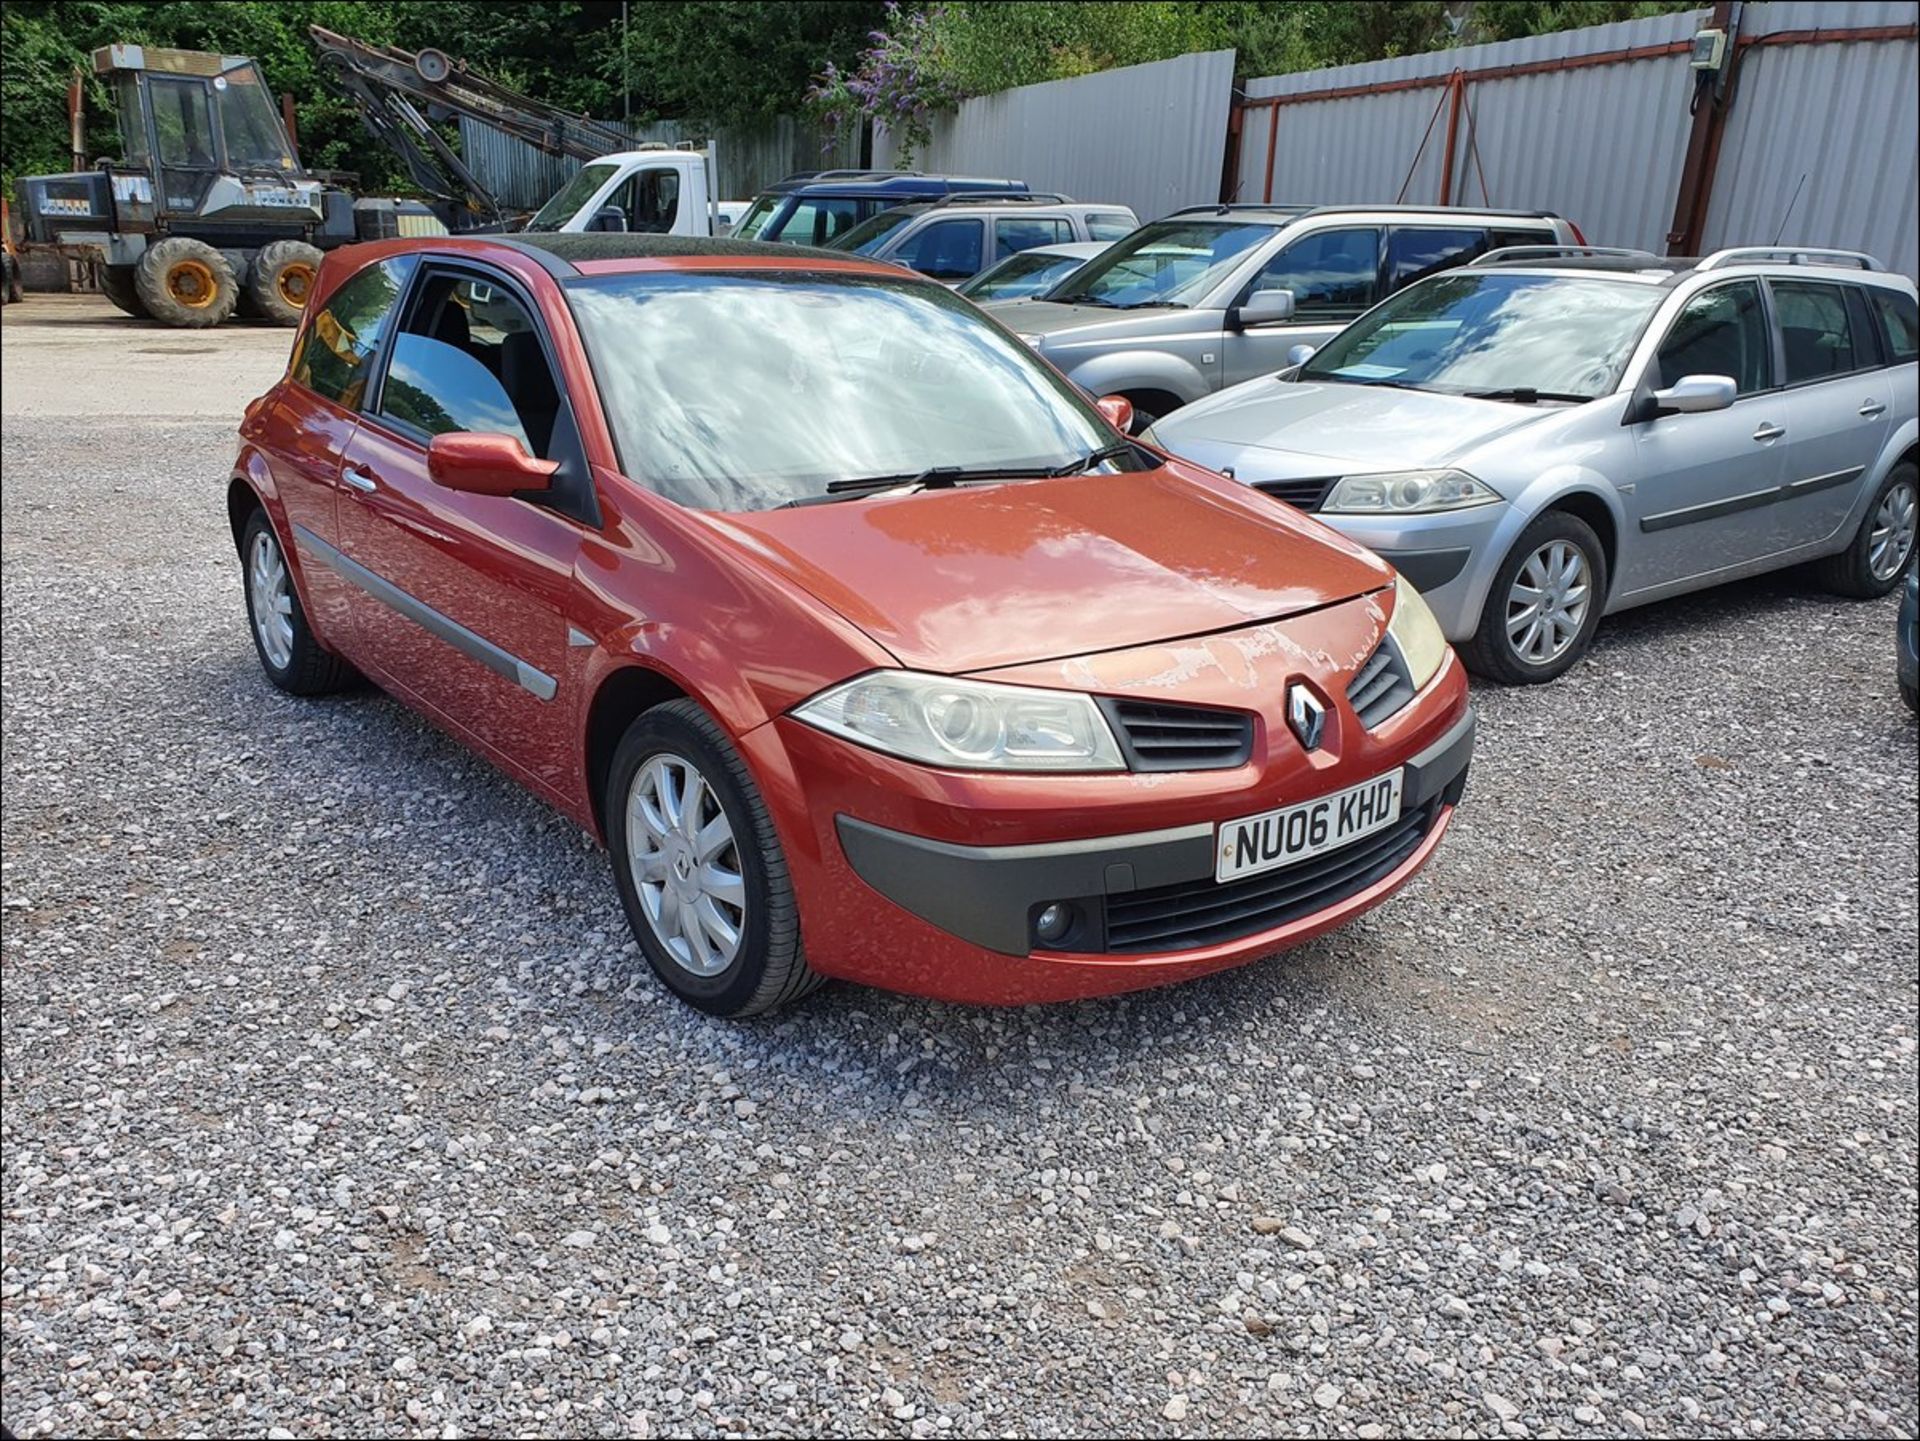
(619,699)
(1588,506)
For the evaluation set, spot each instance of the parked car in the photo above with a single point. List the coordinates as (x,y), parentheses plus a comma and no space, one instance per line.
(954,238)
(814,208)
(1910,639)
(1030,271)
(1215,295)
(1538,443)
(864,640)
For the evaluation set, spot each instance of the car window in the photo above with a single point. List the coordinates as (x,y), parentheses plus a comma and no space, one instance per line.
(181,122)
(1020,275)
(1331,273)
(651,200)
(1110,225)
(946,249)
(469,358)
(1899,324)
(1501,239)
(568,199)
(1011,236)
(336,352)
(749,225)
(1722,331)
(816,221)
(1414,253)
(1815,330)
(871,235)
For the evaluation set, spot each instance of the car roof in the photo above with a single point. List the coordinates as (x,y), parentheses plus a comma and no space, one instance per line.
(1668,271)
(563,254)
(909,186)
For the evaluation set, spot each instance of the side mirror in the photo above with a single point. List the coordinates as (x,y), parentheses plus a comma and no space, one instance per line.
(608,217)
(1692,394)
(1300,354)
(485,464)
(1118,411)
(1266,307)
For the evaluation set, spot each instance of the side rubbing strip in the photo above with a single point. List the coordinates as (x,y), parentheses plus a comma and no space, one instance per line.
(468,643)
(1752,500)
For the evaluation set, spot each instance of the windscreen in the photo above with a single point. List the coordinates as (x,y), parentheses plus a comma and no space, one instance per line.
(1020,275)
(758,214)
(570,197)
(743,391)
(250,122)
(1174,262)
(869,235)
(1468,333)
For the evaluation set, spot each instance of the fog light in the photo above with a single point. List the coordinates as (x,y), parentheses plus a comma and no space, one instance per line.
(1053,923)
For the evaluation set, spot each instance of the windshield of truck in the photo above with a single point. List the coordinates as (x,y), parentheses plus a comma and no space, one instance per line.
(571,196)
(1172,262)
(747,390)
(250,121)
(1489,333)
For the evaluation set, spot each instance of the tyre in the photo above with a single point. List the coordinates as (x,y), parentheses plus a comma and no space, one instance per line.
(185,283)
(1876,559)
(280,279)
(291,657)
(238,263)
(116,283)
(1544,604)
(1910,693)
(699,867)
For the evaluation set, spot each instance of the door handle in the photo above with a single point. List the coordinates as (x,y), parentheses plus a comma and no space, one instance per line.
(1770,431)
(1871,409)
(360,478)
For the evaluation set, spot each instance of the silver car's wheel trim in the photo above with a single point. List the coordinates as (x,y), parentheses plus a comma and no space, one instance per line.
(272,600)
(1891,540)
(686,865)
(1548,602)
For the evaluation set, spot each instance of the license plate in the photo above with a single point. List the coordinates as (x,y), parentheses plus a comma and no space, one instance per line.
(1295,833)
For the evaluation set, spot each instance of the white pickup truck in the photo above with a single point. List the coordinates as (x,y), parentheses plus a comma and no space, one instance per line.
(654,190)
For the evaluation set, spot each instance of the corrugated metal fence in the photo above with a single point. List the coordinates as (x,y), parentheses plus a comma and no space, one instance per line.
(748,160)
(1148,136)
(1594,124)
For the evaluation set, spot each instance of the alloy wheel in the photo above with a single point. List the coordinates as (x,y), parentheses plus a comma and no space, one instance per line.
(272,600)
(1548,603)
(686,865)
(1890,541)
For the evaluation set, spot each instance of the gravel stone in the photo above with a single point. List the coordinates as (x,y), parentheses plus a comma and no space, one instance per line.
(1695,982)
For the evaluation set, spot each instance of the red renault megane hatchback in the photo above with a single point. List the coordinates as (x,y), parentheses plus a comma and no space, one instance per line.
(869,646)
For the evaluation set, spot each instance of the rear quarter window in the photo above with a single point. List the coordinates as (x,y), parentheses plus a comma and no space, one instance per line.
(1899,324)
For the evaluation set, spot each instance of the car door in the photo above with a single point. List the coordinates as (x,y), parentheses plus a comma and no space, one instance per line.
(1836,407)
(313,419)
(1699,480)
(1333,274)
(470,591)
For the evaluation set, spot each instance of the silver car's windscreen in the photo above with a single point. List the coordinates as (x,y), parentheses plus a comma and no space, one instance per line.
(1172,262)
(746,390)
(1469,333)
(1020,275)
(870,235)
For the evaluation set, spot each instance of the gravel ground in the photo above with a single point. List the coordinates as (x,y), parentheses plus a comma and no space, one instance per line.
(337,1102)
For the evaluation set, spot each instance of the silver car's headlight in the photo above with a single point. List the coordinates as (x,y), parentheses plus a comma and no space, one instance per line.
(1406,492)
(1416,632)
(967,725)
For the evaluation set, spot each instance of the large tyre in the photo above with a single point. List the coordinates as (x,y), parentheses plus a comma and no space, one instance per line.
(242,268)
(1875,561)
(186,283)
(116,283)
(281,278)
(699,867)
(1544,604)
(291,657)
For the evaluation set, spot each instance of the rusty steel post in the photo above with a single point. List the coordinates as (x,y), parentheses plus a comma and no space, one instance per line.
(1713,96)
(1456,89)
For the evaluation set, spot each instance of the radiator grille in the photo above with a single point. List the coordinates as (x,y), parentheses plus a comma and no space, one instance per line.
(1383,686)
(1161,737)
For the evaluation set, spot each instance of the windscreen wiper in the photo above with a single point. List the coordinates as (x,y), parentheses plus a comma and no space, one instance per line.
(1526,395)
(1092,458)
(934,477)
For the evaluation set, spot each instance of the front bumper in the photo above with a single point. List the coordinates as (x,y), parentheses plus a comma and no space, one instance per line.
(990,895)
(1448,556)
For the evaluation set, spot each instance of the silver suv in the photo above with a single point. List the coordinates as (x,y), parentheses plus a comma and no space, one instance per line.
(955,238)
(1535,441)
(1214,295)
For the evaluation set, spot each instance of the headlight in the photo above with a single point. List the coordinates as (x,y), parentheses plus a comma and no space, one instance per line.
(1407,492)
(1416,632)
(967,725)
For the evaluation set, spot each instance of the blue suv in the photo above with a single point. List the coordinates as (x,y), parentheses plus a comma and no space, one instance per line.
(814,206)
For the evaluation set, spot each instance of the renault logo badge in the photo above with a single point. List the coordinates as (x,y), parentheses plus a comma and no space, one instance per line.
(1306,715)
